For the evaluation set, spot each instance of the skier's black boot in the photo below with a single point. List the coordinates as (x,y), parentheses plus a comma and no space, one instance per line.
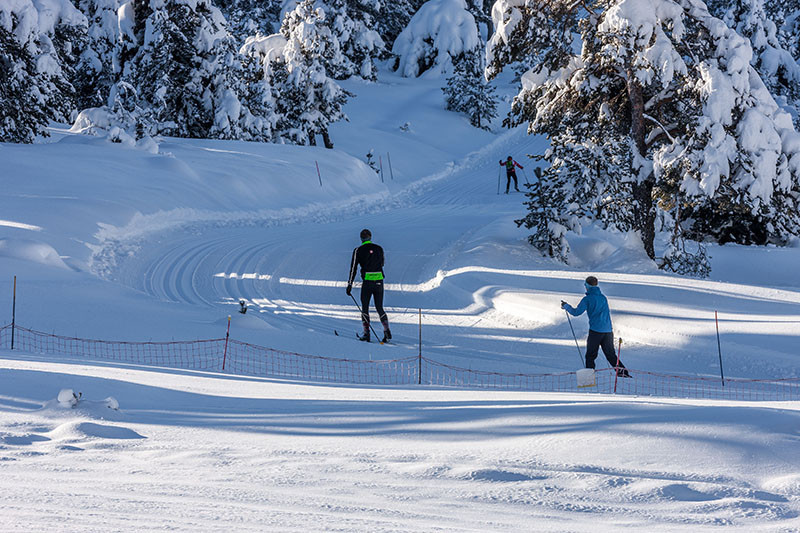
(364,337)
(623,373)
(387,335)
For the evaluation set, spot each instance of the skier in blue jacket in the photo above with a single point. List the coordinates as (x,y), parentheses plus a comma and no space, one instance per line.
(601,334)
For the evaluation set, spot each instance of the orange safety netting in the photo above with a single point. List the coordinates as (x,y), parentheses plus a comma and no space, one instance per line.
(250,359)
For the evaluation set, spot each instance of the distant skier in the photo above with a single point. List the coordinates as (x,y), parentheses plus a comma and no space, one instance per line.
(370,257)
(601,334)
(511,172)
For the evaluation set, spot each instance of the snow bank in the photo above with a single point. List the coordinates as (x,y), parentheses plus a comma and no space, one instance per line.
(31,250)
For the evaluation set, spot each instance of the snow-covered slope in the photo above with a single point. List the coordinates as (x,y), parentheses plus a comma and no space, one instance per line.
(114,242)
(188,451)
(180,236)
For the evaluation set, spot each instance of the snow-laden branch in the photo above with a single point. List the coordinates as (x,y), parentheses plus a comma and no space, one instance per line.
(660,125)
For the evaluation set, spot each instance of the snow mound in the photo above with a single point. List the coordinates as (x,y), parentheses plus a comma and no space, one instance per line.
(101,121)
(68,398)
(605,250)
(31,250)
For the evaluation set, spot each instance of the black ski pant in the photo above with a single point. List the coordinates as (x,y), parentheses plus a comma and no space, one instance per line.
(372,290)
(509,175)
(597,340)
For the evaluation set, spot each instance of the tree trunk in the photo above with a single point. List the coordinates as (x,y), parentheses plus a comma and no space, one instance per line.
(312,138)
(326,138)
(644,213)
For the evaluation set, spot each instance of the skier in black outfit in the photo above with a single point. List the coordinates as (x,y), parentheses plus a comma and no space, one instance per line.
(511,172)
(370,256)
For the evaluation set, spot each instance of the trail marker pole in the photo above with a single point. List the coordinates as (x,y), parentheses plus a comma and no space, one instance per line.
(14,312)
(616,367)
(419,368)
(380,162)
(719,349)
(227,335)
(318,174)
(389,159)
(499,169)
(364,317)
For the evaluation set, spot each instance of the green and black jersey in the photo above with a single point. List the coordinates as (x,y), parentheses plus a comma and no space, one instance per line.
(370,256)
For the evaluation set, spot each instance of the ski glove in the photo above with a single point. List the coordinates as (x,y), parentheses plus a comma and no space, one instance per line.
(349,289)
(563,303)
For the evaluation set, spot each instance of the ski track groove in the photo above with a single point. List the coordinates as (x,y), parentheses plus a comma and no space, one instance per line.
(180,266)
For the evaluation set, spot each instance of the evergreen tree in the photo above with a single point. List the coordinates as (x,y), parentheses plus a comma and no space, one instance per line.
(665,91)
(776,66)
(308,100)
(468,92)
(352,23)
(96,70)
(22,115)
(186,77)
(36,56)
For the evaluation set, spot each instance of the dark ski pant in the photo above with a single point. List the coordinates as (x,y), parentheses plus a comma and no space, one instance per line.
(372,290)
(606,341)
(511,174)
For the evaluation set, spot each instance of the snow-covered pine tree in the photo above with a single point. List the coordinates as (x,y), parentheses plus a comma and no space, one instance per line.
(779,71)
(468,92)
(354,41)
(438,34)
(308,100)
(352,23)
(186,75)
(34,85)
(671,85)
(69,39)
(22,114)
(97,70)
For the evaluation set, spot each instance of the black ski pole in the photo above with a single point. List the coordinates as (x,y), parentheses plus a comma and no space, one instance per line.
(574,337)
(719,348)
(525,175)
(364,316)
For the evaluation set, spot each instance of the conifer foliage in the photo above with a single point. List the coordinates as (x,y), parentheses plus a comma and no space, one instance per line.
(468,92)
(37,58)
(658,115)
(182,75)
(352,23)
(247,18)
(97,65)
(779,71)
(309,101)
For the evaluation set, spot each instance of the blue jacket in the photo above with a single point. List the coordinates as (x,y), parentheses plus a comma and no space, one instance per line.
(596,306)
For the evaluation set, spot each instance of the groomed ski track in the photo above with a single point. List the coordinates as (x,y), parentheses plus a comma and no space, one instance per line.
(489,301)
